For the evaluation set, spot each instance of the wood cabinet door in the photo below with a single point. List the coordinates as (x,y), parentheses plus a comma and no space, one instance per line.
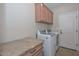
(43,13)
(47,13)
(50,18)
(38,12)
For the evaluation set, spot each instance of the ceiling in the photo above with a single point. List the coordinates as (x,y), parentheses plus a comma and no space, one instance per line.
(53,5)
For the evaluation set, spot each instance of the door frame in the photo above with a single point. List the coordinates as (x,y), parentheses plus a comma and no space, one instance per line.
(77,29)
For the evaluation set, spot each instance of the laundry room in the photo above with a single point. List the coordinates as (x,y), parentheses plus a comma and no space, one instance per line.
(39,29)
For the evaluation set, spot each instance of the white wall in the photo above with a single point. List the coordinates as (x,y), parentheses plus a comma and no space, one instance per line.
(55,25)
(2,20)
(63,8)
(20,21)
(60,10)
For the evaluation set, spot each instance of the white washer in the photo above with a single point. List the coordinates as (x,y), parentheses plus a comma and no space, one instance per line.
(49,43)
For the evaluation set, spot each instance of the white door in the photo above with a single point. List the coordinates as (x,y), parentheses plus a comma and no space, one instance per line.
(67,23)
(77,22)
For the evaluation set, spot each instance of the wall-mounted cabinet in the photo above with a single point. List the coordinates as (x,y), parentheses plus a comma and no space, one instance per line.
(43,14)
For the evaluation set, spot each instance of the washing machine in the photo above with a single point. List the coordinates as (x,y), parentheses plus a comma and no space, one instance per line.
(49,43)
